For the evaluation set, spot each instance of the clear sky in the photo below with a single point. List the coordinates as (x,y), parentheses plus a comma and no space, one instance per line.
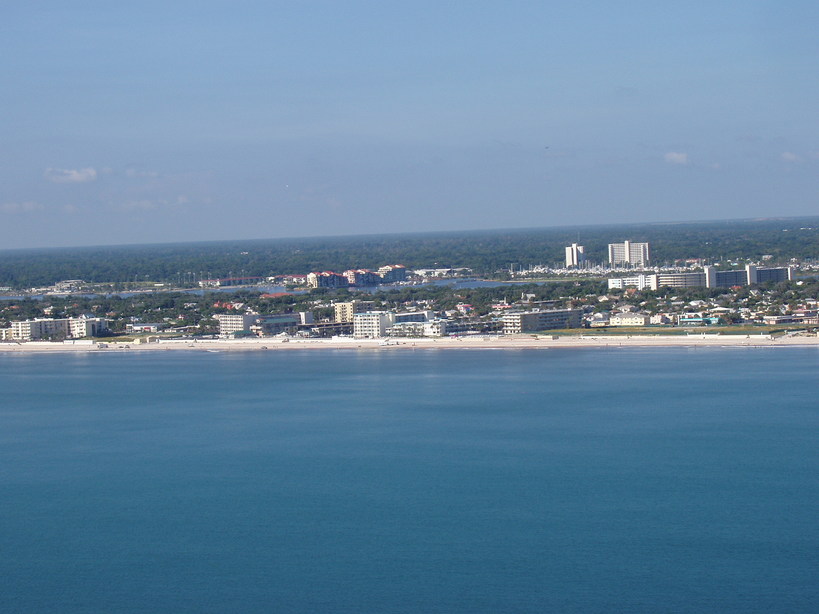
(136,122)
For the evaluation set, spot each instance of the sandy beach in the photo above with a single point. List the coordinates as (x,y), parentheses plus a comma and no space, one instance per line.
(512,342)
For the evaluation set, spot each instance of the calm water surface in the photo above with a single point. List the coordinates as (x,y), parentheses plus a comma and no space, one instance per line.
(632,480)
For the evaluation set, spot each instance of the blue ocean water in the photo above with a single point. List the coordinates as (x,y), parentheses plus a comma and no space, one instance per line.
(610,480)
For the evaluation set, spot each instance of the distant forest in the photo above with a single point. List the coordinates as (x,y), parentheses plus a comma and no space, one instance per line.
(486,252)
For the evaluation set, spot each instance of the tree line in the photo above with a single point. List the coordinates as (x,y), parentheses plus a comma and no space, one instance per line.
(485,252)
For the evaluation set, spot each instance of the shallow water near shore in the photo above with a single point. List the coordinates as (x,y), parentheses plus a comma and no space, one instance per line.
(638,479)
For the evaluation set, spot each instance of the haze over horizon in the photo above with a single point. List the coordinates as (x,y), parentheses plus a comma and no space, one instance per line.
(216,120)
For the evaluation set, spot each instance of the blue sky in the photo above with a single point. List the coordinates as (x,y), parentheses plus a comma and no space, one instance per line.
(182,121)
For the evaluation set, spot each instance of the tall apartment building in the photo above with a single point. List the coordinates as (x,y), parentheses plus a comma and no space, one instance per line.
(344,312)
(575,256)
(628,254)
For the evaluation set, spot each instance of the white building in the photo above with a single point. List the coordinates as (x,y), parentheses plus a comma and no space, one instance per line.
(628,254)
(232,323)
(598,320)
(628,319)
(641,282)
(372,324)
(66,328)
(708,278)
(432,328)
(575,256)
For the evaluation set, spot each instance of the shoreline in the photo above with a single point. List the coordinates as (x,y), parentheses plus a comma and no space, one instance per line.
(515,342)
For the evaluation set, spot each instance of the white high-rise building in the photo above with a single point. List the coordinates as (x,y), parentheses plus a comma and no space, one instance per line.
(372,324)
(628,254)
(575,255)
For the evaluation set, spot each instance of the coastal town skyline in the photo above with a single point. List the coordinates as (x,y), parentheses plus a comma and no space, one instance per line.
(367,306)
(151,123)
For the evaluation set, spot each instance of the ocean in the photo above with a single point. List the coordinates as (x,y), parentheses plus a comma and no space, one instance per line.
(570,480)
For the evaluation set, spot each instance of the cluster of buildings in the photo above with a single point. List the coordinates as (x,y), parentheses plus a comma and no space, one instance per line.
(360,319)
(634,255)
(628,254)
(363,319)
(391,273)
(356,318)
(240,324)
(709,277)
(759,307)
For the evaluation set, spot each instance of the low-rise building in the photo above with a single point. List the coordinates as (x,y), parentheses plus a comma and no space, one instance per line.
(231,281)
(326,329)
(433,328)
(473,326)
(531,321)
(678,280)
(267,325)
(641,282)
(414,316)
(697,319)
(58,328)
(145,327)
(628,319)
(598,320)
